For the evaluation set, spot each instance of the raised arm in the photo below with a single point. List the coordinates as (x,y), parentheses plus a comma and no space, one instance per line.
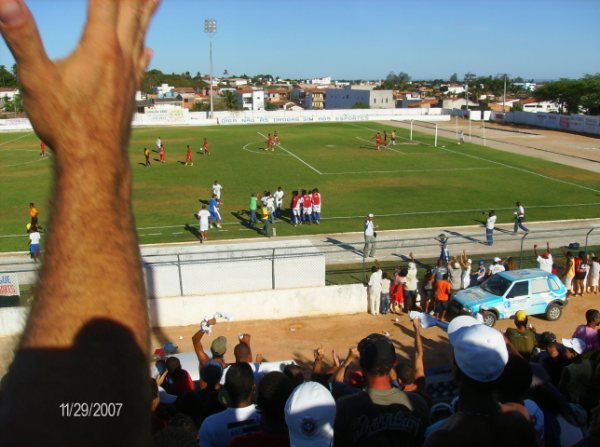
(203,357)
(419,365)
(87,338)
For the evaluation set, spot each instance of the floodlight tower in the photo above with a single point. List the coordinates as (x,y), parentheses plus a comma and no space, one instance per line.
(210,28)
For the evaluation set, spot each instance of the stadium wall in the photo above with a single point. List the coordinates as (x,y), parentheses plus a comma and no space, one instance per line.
(573,123)
(256,305)
(182,117)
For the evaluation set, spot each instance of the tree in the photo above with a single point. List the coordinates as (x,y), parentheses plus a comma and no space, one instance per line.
(454,78)
(7,78)
(590,99)
(567,93)
(14,105)
(360,105)
(230,100)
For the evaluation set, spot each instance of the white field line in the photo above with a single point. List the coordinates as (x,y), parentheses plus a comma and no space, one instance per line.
(295,156)
(412,170)
(245,148)
(527,171)
(16,139)
(25,163)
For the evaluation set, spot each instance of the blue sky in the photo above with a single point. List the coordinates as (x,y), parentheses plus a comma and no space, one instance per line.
(357,39)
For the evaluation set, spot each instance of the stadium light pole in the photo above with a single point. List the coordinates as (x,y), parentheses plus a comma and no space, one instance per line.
(210,28)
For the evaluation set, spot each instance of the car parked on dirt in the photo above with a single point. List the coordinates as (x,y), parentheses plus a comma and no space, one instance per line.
(503,294)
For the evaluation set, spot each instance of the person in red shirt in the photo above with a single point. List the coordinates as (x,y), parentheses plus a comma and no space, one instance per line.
(269,143)
(147,157)
(316,205)
(42,149)
(442,295)
(205,146)
(188,156)
(178,380)
(161,154)
(378,140)
(396,296)
(306,207)
(296,208)
(276,137)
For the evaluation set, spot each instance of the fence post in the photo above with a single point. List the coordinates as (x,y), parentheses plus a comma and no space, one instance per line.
(179,272)
(587,236)
(521,254)
(273,270)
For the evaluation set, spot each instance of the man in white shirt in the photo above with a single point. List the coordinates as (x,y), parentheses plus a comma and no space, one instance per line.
(519,218)
(544,260)
(204,220)
(369,249)
(496,267)
(240,418)
(374,290)
(490,223)
(278,196)
(158,143)
(34,243)
(216,189)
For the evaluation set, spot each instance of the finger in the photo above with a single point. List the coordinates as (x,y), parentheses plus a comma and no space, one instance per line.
(134,17)
(21,34)
(101,21)
(143,63)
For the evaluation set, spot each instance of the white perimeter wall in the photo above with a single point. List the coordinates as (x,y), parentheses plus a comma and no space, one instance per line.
(259,305)
(574,123)
(181,117)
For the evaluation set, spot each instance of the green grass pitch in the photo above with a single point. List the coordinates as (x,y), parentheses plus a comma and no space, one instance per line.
(408,185)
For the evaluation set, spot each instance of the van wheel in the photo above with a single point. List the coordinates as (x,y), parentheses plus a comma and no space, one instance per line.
(489,318)
(553,312)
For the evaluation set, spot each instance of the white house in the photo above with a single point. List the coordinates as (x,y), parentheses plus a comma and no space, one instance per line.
(320,81)
(542,106)
(251,99)
(163,89)
(8,92)
(346,98)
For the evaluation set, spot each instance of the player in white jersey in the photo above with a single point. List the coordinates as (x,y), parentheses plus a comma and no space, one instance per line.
(316,205)
(216,189)
(278,196)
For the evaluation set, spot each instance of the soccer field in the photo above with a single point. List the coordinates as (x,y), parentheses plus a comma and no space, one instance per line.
(411,184)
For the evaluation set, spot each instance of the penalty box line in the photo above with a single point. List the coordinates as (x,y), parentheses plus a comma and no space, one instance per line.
(294,155)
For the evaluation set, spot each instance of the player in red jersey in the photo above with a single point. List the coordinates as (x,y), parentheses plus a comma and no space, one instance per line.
(188,156)
(296,208)
(377,140)
(161,153)
(269,143)
(205,146)
(306,206)
(316,205)
(42,149)
(276,137)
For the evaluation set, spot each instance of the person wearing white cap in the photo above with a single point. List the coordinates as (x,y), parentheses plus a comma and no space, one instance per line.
(466,264)
(480,355)
(370,237)
(310,415)
(496,267)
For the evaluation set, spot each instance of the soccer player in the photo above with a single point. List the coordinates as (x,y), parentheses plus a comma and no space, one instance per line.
(306,206)
(216,189)
(269,143)
(377,138)
(393,137)
(296,208)
(161,154)
(188,156)
(34,243)
(276,137)
(213,208)
(33,213)
(316,205)
(385,138)
(278,196)
(205,146)
(158,144)
(42,149)
(147,157)
(204,222)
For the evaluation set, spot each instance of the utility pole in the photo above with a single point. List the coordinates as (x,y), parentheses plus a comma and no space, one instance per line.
(210,28)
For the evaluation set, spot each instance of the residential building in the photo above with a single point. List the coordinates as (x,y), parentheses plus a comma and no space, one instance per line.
(458,103)
(532,105)
(250,99)
(8,92)
(346,98)
(320,81)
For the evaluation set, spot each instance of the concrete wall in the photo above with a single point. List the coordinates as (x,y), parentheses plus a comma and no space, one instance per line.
(575,123)
(237,267)
(185,118)
(260,305)
(12,320)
